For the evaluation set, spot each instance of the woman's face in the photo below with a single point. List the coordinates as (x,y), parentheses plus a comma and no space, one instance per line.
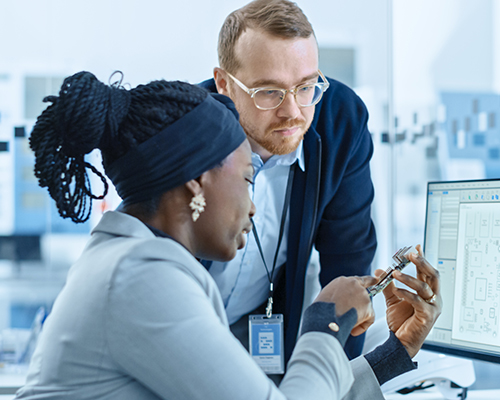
(222,227)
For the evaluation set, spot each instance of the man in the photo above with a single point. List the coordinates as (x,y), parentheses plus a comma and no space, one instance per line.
(271,45)
(311,132)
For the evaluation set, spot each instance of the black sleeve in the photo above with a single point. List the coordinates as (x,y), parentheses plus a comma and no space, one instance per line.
(390,360)
(320,317)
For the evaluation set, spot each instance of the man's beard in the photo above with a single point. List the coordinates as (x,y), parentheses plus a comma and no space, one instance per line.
(279,145)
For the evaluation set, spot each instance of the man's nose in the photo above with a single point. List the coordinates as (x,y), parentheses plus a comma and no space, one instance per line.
(289,108)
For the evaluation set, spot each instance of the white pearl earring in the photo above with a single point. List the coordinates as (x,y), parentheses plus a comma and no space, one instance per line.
(197,204)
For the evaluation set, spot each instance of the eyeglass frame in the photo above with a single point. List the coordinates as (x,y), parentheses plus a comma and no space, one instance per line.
(323,86)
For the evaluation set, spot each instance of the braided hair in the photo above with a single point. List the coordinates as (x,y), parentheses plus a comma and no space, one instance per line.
(90,115)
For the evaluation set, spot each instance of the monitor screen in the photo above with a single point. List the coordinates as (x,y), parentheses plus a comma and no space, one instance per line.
(462,240)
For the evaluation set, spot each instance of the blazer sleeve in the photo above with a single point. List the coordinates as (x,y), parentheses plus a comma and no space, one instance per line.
(365,385)
(163,331)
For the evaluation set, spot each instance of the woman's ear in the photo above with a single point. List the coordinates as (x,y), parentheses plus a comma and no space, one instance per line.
(194,186)
(197,186)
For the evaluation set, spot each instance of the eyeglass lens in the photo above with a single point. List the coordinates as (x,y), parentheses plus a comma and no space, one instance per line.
(306,95)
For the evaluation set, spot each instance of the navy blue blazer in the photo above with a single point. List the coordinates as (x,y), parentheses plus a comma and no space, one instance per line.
(330,205)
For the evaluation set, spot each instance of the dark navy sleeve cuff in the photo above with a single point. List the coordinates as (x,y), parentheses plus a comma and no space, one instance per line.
(390,360)
(320,317)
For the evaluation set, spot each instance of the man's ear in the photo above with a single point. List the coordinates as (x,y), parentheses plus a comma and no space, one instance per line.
(221,81)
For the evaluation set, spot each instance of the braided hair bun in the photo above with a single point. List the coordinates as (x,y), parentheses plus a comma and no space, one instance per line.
(88,115)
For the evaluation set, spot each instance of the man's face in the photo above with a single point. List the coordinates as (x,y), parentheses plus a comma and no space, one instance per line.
(268,61)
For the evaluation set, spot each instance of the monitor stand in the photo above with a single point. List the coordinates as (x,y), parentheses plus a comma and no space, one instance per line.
(451,375)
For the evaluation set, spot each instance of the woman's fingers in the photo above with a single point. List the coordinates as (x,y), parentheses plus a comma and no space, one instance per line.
(426,272)
(367,280)
(347,293)
(422,288)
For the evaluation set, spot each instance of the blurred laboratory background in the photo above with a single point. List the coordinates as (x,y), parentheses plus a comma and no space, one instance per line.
(428,71)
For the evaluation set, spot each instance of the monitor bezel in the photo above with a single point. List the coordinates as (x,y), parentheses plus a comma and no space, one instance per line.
(450,349)
(454,351)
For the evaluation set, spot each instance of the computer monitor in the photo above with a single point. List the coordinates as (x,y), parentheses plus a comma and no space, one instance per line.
(462,240)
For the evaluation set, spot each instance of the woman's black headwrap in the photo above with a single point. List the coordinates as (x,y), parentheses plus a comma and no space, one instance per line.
(195,143)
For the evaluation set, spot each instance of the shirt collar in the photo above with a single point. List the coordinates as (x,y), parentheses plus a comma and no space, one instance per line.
(285,159)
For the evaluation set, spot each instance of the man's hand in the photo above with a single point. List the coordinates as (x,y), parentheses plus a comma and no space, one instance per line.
(350,292)
(411,316)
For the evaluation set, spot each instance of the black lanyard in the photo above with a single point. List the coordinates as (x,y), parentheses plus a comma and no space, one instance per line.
(269,308)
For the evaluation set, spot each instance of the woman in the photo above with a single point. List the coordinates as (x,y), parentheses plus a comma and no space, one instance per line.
(139,316)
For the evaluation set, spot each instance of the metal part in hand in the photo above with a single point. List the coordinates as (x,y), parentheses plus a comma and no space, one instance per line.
(400,261)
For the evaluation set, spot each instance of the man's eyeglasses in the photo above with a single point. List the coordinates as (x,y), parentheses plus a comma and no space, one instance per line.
(269,98)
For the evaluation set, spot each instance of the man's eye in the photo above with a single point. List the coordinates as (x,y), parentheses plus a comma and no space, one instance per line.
(305,89)
(271,93)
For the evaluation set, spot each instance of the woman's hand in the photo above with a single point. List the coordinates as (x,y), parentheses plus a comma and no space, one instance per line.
(350,292)
(411,315)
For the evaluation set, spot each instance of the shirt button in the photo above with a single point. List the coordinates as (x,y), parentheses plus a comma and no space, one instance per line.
(333,326)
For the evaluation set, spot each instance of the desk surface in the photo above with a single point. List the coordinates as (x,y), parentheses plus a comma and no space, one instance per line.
(10,382)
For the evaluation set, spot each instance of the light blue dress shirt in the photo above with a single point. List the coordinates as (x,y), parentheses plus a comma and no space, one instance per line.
(243,281)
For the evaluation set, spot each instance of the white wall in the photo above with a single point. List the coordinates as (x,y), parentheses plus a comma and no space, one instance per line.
(437,45)
(442,45)
(496,45)
(147,39)
(151,39)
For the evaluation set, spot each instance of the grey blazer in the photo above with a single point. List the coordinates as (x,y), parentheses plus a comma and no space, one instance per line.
(140,318)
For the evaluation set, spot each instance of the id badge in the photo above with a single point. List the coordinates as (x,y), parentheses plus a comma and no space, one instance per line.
(266,342)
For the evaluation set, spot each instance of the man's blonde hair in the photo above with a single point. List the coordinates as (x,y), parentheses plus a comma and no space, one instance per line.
(281,18)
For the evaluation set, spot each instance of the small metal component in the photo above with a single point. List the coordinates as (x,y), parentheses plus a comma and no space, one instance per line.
(269,308)
(400,261)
